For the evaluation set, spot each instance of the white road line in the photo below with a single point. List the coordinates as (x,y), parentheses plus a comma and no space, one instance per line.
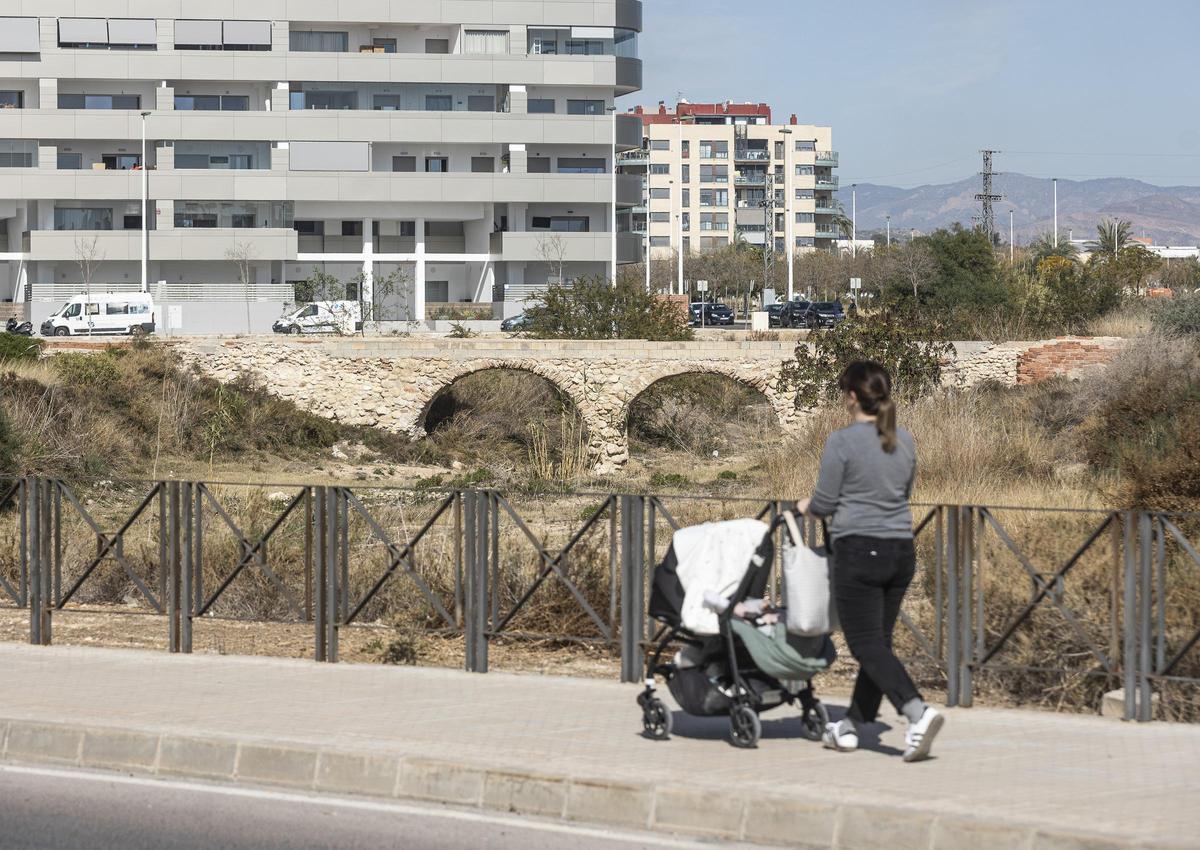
(433,810)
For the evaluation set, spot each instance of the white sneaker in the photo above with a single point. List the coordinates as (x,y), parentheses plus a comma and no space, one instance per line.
(843,738)
(919,737)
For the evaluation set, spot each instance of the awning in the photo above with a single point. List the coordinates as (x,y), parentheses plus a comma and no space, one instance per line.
(20,35)
(248,32)
(591,32)
(197,33)
(329,156)
(82,31)
(132,31)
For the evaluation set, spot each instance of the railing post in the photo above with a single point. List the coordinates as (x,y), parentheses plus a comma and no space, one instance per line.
(37,538)
(633,578)
(966,642)
(476,508)
(954,598)
(1129,618)
(187,579)
(1145,617)
(317,518)
(56,519)
(332,497)
(171,567)
(23,578)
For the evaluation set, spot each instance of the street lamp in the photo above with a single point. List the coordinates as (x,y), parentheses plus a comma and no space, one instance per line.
(788,231)
(889,231)
(145,211)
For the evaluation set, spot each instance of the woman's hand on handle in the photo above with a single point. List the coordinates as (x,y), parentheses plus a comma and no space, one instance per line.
(802,506)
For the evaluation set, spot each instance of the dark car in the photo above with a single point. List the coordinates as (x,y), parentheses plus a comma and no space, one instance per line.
(792,314)
(707,313)
(824,314)
(514,323)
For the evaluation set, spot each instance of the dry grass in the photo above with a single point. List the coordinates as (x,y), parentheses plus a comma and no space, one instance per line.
(1128,321)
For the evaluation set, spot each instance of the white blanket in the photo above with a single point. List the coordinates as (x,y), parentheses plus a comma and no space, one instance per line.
(713,558)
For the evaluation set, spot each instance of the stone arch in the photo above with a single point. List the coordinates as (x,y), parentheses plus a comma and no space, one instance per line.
(567,378)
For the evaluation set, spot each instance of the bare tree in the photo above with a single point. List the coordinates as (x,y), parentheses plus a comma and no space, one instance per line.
(384,287)
(88,256)
(243,255)
(553,249)
(915,263)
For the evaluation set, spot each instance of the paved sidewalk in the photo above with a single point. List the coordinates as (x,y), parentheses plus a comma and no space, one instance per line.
(572,748)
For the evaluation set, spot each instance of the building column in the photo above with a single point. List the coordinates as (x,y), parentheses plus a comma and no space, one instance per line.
(164,98)
(418,304)
(48,93)
(281,98)
(367,295)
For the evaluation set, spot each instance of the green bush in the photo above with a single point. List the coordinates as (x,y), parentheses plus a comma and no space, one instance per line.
(1178,316)
(78,369)
(14,347)
(595,308)
(669,479)
(911,352)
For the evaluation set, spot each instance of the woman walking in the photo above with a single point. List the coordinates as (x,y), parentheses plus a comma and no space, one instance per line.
(865,481)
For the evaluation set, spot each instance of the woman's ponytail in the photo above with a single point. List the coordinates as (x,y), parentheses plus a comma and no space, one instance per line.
(872,386)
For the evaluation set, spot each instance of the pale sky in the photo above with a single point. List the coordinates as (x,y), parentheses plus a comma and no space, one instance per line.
(913,90)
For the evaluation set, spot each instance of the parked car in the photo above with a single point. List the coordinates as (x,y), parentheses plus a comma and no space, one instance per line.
(102,313)
(704,313)
(824,314)
(792,314)
(321,317)
(514,323)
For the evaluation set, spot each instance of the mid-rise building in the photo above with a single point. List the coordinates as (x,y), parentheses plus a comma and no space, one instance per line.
(465,150)
(718,173)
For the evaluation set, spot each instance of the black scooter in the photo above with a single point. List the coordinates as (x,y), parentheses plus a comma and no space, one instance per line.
(19,328)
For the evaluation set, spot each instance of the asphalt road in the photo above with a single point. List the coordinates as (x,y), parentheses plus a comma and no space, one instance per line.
(72,810)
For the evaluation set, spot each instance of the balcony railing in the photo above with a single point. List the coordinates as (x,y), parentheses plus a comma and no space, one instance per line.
(749,180)
(826,233)
(824,210)
(753,155)
(827,158)
(827,182)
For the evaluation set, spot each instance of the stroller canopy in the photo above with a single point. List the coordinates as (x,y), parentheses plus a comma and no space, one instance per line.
(712,558)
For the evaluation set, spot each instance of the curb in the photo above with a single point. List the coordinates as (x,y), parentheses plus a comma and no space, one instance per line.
(709,812)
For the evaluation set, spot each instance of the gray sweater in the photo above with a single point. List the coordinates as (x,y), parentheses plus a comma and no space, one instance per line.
(864,488)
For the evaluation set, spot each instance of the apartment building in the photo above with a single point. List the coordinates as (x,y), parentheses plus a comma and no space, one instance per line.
(462,150)
(716,173)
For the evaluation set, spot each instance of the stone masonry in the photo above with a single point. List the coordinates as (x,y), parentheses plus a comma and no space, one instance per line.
(392,382)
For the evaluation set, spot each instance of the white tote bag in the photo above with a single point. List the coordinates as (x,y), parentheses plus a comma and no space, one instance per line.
(811,609)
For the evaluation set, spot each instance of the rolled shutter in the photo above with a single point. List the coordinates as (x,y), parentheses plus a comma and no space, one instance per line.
(247,32)
(132,31)
(197,33)
(20,35)
(82,31)
(591,32)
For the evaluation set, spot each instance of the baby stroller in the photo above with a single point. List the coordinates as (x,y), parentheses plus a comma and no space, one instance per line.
(737,658)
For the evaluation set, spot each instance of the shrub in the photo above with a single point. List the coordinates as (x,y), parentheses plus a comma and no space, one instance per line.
(460,331)
(669,479)
(700,413)
(594,308)
(15,347)
(86,370)
(1178,316)
(912,353)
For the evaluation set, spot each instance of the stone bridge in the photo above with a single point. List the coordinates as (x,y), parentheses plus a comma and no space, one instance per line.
(391,382)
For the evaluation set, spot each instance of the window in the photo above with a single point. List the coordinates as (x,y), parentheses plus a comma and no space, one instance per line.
(804,218)
(560,223)
(805,241)
(439,103)
(686,149)
(99,101)
(481,103)
(242,220)
(687,197)
(714,221)
(580,165)
(806,146)
(779,150)
(388,44)
(121,161)
(585,107)
(485,41)
(319,42)
(660,194)
(714,173)
(714,150)
(324,100)
(437,164)
(132,221)
(212,102)
(241,161)
(386,103)
(541,106)
(804,194)
(352,228)
(538,165)
(483,164)
(309,228)
(686,173)
(660,241)
(196,220)
(437,46)
(712,243)
(12,100)
(660,144)
(660,217)
(802,170)
(660,168)
(543,42)
(85,218)
(437,291)
(404,163)
(685,221)
(714,197)
(687,244)
(70,161)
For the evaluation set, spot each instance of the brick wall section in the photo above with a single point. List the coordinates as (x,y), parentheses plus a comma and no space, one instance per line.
(1065,356)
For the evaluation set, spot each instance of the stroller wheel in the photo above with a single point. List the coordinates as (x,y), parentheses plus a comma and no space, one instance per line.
(814,722)
(744,726)
(656,720)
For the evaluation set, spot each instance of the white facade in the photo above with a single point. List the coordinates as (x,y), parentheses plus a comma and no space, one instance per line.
(468,146)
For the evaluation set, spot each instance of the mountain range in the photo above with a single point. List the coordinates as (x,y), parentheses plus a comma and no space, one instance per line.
(1170,215)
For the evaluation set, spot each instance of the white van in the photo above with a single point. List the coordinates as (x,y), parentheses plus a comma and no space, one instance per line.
(102,313)
(329,317)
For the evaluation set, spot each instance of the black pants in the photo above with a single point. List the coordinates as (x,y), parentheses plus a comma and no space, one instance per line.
(870,578)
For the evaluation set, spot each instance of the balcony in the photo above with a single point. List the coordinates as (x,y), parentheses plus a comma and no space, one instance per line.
(829,158)
(750,180)
(823,232)
(578,247)
(823,209)
(752,156)
(184,244)
(826,183)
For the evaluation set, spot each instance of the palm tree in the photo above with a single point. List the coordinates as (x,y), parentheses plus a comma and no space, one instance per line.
(1044,247)
(1111,237)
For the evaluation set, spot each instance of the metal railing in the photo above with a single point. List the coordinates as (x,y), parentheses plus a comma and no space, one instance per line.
(1093,597)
